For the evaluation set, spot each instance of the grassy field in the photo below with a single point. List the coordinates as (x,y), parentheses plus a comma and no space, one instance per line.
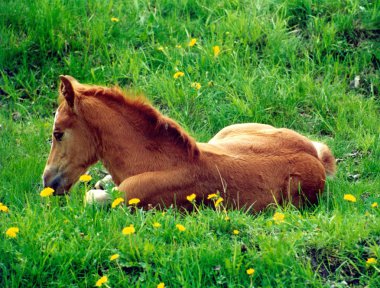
(312,66)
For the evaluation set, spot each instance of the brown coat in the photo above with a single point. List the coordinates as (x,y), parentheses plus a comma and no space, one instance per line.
(152,158)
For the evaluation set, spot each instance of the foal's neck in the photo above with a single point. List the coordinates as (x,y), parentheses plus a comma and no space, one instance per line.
(129,147)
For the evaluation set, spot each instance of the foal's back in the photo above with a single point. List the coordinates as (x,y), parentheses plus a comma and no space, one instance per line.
(262,139)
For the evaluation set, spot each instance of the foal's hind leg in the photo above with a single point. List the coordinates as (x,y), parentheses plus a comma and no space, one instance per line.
(306,181)
(160,187)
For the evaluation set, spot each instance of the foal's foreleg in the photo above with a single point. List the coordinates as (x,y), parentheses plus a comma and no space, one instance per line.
(160,187)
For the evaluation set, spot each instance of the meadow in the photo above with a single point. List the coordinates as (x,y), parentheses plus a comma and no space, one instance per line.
(312,66)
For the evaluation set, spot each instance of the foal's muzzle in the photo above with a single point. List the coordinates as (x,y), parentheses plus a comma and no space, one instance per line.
(54,181)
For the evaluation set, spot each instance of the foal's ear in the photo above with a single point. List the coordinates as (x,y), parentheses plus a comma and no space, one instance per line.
(66,88)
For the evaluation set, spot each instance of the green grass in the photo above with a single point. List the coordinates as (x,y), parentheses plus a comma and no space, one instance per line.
(286,63)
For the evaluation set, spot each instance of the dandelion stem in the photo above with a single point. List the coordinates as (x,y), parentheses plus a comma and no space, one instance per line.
(84,197)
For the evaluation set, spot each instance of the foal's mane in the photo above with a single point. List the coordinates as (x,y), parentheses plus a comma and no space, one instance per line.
(158,124)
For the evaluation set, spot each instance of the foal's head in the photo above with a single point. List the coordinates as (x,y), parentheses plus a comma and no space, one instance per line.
(73,147)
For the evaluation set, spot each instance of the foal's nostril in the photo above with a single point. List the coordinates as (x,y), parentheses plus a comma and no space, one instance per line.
(56,182)
(52,182)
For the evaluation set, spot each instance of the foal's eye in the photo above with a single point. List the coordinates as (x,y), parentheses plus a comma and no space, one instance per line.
(58,136)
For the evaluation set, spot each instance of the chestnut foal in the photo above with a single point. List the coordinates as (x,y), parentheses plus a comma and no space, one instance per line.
(152,158)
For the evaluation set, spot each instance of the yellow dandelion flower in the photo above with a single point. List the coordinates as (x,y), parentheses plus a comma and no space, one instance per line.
(196,85)
(117,202)
(216,50)
(101,281)
(191,197)
(192,42)
(3,208)
(156,225)
(178,74)
(161,285)
(371,261)
(217,202)
(46,192)
(278,217)
(129,230)
(374,205)
(85,178)
(212,196)
(236,232)
(134,201)
(250,271)
(114,257)
(114,19)
(180,227)
(178,46)
(12,232)
(349,197)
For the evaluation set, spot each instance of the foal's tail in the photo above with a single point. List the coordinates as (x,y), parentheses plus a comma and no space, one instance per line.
(326,157)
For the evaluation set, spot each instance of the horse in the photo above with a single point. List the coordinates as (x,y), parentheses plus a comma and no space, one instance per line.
(152,158)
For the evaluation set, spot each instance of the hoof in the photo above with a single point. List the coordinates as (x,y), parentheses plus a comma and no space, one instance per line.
(102,184)
(97,196)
